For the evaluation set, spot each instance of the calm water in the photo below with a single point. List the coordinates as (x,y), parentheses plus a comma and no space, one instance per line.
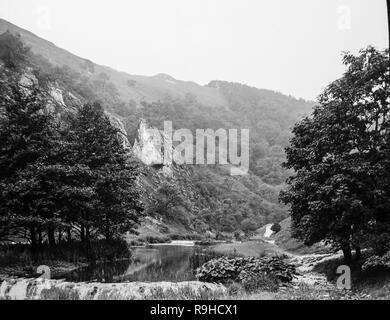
(155,263)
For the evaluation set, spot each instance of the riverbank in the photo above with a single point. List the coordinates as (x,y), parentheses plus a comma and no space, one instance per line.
(19,260)
(57,269)
(252,248)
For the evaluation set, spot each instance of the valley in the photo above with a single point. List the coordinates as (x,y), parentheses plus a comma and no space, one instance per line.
(89,192)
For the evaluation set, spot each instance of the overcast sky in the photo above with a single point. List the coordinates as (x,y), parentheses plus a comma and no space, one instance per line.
(292,46)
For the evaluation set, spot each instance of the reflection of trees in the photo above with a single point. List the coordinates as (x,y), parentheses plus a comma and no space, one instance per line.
(173,266)
(162,263)
(102,272)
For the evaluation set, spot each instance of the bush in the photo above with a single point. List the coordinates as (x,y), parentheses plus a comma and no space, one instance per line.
(226,269)
(157,239)
(12,50)
(253,282)
(248,225)
(377,263)
(176,236)
(276,227)
(206,242)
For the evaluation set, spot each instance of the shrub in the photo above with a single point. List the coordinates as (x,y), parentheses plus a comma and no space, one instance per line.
(226,269)
(206,242)
(137,242)
(176,236)
(131,83)
(157,239)
(248,225)
(377,263)
(253,282)
(12,50)
(59,294)
(276,227)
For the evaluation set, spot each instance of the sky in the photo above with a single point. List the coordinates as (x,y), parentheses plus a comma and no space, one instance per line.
(291,46)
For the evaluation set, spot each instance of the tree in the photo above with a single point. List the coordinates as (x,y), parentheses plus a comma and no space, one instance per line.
(97,145)
(12,50)
(248,225)
(276,227)
(340,189)
(41,187)
(26,134)
(166,199)
(62,177)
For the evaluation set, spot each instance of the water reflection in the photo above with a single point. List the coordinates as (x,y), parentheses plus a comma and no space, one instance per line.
(157,263)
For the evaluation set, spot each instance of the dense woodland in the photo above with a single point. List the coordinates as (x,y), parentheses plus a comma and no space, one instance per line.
(62,179)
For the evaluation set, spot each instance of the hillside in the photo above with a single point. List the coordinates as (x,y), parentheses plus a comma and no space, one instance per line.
(208,197)
(131,88)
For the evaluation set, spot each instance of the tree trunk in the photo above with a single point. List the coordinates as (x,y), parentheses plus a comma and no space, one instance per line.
(51,236)
(346,248)
(358,253)
(33,239)
(69,235)
(107,231)
(39,237)
(87,234)
(82,233)
(59,235)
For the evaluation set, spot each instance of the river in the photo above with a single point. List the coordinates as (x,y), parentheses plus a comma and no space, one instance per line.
(163,262)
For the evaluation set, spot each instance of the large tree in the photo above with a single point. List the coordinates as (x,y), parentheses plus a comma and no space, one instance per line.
(340,191)
(97,145)
(27,136)
(62,178)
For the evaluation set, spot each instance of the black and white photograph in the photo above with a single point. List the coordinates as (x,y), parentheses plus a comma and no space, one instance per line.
(193,151)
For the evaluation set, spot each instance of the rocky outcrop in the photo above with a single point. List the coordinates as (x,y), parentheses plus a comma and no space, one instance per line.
(154,148)
(36,289)
(147,145)
(117,123)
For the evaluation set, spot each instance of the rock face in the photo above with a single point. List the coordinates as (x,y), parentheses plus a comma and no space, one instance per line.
(117,123)
(154,148)
(147,145)
(36,289)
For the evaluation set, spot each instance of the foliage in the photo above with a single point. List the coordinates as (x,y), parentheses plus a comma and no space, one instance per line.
(12,51)
(375,262)
(58,179)
(341,189)
(276,227)
(225,269)
(248,225)
(253,282)
(166,199)
(267,114)
(116,204)
(75,252)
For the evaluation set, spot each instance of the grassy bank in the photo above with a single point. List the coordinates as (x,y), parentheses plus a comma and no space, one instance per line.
(255,248)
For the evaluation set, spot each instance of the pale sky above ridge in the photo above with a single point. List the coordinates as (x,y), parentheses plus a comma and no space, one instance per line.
(289,46)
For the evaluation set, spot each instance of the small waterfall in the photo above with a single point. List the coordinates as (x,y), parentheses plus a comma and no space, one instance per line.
(36,289)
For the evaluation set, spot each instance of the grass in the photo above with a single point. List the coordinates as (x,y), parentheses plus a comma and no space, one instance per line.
(246,249)
(371,284)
